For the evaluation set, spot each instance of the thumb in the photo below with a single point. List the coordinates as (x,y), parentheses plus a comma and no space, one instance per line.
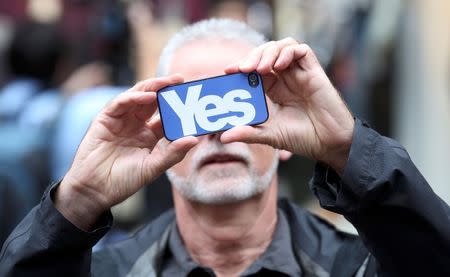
(247,134)
(166,154)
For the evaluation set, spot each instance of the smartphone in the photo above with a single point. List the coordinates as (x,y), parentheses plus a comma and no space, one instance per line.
(212,105)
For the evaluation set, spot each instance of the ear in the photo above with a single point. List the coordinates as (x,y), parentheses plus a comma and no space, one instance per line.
(284,155)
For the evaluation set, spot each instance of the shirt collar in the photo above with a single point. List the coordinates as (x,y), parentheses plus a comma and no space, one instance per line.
(182,261)
(279,255)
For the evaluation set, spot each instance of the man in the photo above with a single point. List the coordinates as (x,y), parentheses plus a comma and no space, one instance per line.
(227,221)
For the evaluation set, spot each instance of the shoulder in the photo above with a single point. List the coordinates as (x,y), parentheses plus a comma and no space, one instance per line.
(317,243)
(315,227)
(120,258)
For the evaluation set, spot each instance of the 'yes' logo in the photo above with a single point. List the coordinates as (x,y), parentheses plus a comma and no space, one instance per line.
(211,105)
(199,110)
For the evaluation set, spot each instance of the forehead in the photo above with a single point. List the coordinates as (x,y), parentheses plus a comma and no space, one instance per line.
(207,57)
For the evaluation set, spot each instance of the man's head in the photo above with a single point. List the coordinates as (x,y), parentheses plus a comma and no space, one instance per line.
(212,172)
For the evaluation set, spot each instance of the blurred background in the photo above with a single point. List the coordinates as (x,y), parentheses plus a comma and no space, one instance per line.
(62,60)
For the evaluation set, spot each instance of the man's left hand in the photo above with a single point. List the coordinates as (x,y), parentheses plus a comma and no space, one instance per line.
(307,115)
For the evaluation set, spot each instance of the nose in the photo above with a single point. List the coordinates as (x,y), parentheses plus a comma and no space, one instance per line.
(213,136)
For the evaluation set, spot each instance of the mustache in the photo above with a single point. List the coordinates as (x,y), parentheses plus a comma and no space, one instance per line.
(240,152)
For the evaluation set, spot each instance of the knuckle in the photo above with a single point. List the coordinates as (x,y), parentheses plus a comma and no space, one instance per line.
(287,51)
(145,85)
(290,40)
(140,84)
(110,103)
(121,97)
(268,45)
(290,48)
(114,102)
(276,47)
(305,46)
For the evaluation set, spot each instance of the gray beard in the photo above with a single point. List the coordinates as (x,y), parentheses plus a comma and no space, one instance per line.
(225,186)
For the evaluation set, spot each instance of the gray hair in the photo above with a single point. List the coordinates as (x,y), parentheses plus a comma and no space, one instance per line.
(208,28)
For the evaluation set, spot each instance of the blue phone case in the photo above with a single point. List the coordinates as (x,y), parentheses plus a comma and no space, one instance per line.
(212,105)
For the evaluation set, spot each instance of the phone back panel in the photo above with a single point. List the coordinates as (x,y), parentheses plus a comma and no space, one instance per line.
(211,105)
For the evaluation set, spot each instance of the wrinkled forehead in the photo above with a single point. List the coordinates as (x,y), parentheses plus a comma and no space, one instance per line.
(207,57)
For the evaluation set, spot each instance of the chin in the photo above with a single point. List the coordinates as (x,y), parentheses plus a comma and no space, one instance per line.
(223,177)
(230,170)
(229,184)
(223,191)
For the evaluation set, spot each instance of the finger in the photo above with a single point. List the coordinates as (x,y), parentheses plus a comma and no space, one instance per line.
(139,94)
(252,60)
(232,68)
(155,125)
(255,56)
(271,53)
(155,84)
(144,112)
(306,57)
(126,101)
(169,154)
(289,54)
(288,41)
(247,134)
(268,58)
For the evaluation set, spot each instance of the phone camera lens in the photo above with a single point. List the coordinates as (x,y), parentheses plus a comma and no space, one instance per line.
(253,80)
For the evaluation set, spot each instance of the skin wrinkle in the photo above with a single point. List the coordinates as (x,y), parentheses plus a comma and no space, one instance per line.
(223,248)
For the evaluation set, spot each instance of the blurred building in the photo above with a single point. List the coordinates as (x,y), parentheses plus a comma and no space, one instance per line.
(421,104)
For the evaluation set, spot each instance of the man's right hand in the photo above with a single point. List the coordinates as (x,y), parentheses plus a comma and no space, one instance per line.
(121,152)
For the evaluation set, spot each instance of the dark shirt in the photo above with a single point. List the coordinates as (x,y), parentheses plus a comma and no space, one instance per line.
(277,260)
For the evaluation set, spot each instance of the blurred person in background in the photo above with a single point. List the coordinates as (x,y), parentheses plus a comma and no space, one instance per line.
(40,79)
(233,9)
(227,220)
(32,56)
(132,41)
(30,103)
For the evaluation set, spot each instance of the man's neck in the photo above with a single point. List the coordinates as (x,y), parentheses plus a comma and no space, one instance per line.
(228,238)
